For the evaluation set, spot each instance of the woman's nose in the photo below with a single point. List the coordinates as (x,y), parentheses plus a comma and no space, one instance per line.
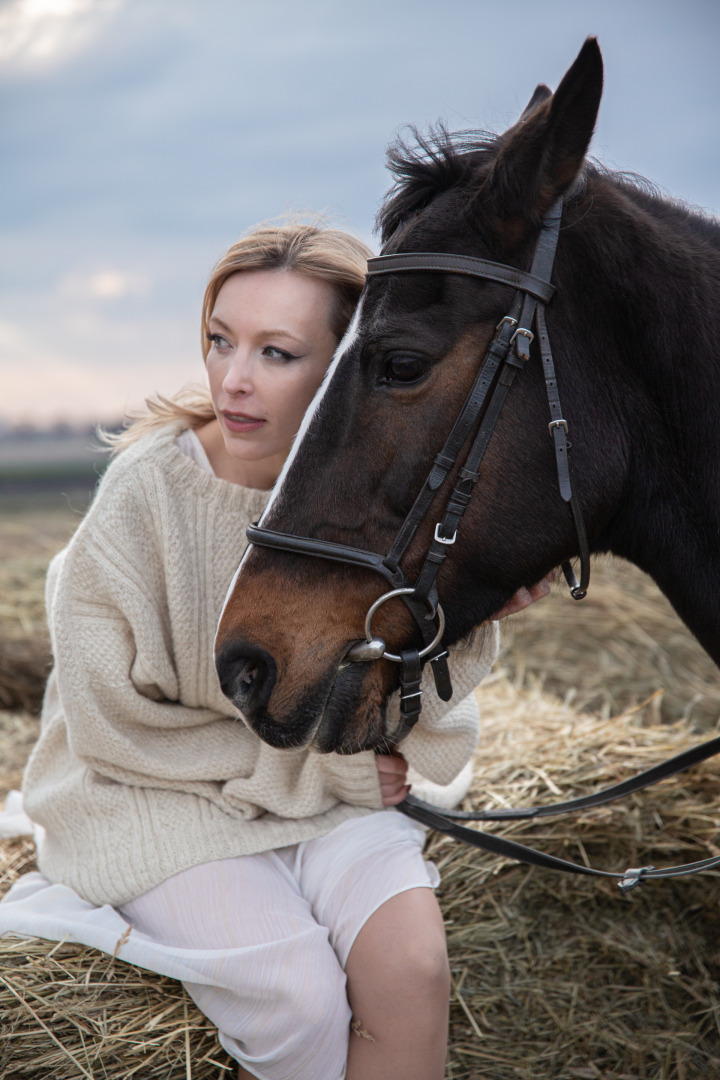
(238,379)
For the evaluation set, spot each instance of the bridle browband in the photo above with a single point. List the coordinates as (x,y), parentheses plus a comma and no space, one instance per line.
(507,354)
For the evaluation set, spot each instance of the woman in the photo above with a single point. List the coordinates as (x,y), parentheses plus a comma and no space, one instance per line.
(295,909)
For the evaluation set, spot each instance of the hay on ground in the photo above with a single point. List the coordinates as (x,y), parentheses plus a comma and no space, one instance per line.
(27,543)
(614,649)
(554,977)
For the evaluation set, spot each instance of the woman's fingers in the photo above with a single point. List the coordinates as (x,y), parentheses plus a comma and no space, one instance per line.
(392,774)
(524,597)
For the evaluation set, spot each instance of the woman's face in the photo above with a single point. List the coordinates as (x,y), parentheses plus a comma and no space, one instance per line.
(270,346)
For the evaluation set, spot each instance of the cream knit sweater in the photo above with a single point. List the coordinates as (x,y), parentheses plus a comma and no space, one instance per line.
(143,767)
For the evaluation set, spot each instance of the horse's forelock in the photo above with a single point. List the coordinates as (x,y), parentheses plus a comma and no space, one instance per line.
(427,167)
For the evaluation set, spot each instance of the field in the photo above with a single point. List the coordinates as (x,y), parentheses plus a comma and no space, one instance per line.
(555,978)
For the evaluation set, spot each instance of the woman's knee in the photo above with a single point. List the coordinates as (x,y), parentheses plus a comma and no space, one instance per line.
(402,950)
(419,964)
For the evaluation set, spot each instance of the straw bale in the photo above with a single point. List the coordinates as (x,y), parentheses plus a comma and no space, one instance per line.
(554,977)
(18,732)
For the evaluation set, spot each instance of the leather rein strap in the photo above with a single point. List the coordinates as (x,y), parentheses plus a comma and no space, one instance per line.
(507,354)
(445,821)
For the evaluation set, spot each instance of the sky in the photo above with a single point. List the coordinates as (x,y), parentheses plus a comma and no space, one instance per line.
(140,138)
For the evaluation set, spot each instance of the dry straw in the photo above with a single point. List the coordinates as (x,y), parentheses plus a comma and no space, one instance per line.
(554,978)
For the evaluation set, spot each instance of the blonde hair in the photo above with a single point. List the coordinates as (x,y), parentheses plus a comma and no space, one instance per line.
(316,250)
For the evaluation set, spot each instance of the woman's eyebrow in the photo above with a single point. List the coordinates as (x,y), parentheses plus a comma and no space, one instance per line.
(215,320)
(219,322)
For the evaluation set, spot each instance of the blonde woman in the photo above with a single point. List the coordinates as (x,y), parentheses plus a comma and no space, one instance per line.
(299,913)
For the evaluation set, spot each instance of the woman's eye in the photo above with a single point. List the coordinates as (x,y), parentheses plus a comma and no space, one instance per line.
(404,369)
(273,353)
(217,341)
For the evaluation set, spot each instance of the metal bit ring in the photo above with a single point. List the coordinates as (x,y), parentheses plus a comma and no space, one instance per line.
(388,596)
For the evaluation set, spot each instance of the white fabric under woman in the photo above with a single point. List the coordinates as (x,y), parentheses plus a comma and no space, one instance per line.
(249,975)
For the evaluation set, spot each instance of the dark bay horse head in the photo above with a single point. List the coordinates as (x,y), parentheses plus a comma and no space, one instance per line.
(632,337)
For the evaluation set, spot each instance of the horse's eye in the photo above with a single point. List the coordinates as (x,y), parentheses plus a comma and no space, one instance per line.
(404,369)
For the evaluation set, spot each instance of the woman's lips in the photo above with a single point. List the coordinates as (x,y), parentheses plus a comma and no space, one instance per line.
(239,422)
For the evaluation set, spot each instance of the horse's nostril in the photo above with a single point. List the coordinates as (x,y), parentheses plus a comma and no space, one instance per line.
(250,673)
(247,676)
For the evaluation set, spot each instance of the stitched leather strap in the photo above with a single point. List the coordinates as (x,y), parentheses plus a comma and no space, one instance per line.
(642,780)
(465,264)
(410,681)
(325,549)
(498,845)
(445,821)
(445,460)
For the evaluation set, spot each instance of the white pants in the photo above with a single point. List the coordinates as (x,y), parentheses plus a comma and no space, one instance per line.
(280,1005)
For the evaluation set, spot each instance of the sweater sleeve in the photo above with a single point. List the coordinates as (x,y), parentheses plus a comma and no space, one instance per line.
(138,693)
(445,736)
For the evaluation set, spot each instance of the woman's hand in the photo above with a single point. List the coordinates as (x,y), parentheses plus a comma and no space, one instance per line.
(392,773)
(525,597)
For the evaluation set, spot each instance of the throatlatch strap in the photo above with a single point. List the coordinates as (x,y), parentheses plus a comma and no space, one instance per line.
(558,428)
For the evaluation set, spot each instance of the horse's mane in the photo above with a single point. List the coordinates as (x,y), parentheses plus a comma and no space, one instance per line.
(425,165)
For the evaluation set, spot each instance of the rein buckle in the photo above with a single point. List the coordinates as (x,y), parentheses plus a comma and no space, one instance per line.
(632,878)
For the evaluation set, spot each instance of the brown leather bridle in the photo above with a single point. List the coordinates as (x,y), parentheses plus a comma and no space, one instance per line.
(507,354)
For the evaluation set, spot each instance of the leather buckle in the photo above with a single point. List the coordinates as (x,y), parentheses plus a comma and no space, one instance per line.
(632,878)
(522,332)
(441,539)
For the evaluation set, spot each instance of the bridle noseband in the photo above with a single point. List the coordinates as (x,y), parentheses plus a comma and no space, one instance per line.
(506,355)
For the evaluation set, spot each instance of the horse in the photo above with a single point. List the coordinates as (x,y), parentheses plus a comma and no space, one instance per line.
(634,329)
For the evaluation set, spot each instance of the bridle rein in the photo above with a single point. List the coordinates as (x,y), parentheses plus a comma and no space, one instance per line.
(507,354)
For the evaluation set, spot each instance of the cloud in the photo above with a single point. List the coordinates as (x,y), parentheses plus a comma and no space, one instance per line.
(35,33)
(104,285)
(42,384)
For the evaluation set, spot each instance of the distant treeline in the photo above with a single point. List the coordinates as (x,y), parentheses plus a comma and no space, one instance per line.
(24,430)
(57,458)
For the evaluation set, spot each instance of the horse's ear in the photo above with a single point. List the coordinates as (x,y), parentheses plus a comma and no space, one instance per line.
(540,156)
(541,94)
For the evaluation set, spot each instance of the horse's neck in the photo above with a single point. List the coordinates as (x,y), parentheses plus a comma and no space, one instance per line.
(691,582)
(670,521)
